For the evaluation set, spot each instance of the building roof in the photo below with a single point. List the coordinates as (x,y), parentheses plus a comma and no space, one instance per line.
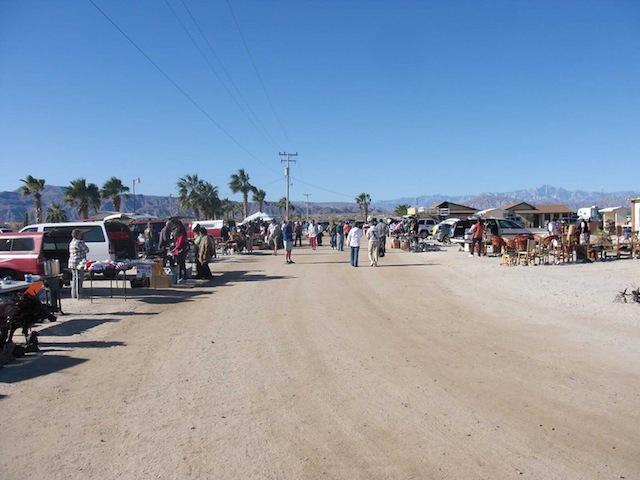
(553,209)
(453,207)
(614,209)
(527,208)
(520,206)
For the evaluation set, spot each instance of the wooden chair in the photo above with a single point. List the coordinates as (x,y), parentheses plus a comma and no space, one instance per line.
(542,253)
(528,255)
(508,257)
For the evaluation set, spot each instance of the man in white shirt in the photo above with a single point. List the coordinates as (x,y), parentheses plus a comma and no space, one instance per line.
(374,245)
(353,241)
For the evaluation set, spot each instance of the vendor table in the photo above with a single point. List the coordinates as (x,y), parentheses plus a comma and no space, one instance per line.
(115,278)
(120,268)
(14,286)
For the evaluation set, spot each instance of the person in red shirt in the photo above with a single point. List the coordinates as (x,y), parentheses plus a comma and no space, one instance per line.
(477,232)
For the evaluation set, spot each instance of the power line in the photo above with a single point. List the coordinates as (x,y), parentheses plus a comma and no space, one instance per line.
(258,75)
(261,129)
(181,90)
(323,189)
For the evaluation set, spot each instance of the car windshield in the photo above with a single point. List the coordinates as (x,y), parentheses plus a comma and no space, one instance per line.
(508,224)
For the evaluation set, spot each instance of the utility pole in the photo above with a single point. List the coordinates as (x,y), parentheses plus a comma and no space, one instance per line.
(135,180)
(307,195)
(287,160)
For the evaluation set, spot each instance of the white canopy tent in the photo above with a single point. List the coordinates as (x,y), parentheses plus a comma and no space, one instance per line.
(256,216)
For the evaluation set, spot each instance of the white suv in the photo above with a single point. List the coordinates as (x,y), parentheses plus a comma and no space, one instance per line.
(425,226)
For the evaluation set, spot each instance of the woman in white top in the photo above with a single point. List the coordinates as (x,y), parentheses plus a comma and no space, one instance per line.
(312,231)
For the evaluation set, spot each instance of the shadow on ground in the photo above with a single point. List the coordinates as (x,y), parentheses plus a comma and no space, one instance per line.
(238,276)
(73,327)
(186,293)
(35,365)
(44,346)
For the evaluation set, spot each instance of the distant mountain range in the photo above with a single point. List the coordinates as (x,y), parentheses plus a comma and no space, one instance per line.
(14,206)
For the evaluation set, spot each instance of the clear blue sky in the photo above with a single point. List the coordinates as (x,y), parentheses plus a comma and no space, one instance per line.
(393,98)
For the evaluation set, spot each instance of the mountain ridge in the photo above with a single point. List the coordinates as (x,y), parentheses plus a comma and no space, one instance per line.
(14,205)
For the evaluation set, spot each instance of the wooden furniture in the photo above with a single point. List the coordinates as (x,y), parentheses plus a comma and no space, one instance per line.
(509,257)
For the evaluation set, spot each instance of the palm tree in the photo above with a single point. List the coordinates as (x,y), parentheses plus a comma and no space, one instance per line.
(83,196)
(282,205)
(113,190)
(188,188)
(34,186)
(55,214)
(363,200)
(238,209)
(401,210)
(226,207)
(240,183)
(259,196)
(207,200)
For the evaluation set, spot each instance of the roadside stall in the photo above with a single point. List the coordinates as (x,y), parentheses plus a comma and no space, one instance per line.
(148,273)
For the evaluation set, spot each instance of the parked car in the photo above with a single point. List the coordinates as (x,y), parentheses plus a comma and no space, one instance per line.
(22,253)
(108,239)
(425,226)
(5,230)
(495,226)
(213,228)
(443,232)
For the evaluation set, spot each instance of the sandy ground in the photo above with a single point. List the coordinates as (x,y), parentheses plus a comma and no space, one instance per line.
(432,366)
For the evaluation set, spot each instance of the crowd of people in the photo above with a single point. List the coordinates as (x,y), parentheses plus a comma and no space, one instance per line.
(286,235)
(173,245)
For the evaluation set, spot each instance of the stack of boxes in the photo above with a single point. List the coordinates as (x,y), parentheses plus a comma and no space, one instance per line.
(158,279)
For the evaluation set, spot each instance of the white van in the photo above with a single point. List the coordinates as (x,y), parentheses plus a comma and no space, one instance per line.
(495,226)
(109,239)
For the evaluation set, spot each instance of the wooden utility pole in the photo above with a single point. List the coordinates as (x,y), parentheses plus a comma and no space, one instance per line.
(287,160)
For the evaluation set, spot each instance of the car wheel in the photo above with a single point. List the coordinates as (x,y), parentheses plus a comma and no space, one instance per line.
(423,234)
(5,272)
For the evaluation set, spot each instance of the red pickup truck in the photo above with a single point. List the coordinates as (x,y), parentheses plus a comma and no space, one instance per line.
(22,253)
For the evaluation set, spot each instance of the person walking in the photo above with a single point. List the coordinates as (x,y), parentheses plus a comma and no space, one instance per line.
(275,233)
(298,234)
(180,251)
(333,235)
(381,231)
(585,234)
(353,241)
(164,242)
(346,228)
(374,246)
(476,231)
(77,257)
(148,238)
(287,235)
(340,236)
(312,231)
(206,251)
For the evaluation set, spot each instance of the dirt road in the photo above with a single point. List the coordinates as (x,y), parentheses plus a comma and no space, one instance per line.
(431,366)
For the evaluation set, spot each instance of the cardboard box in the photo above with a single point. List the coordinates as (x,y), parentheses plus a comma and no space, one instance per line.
(160,281)
(158,266)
